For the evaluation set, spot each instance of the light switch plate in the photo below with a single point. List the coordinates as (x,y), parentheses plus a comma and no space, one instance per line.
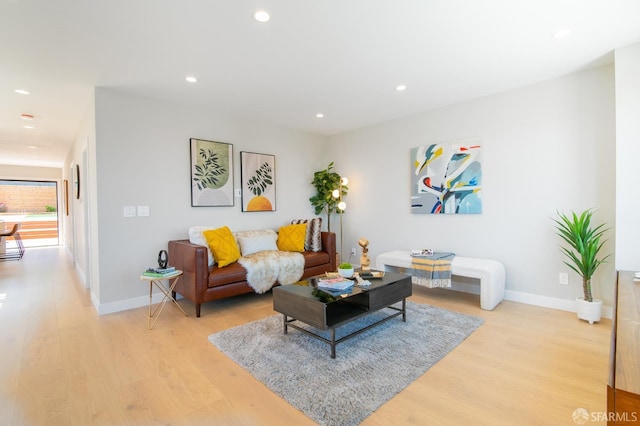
(143,210)
(129,211)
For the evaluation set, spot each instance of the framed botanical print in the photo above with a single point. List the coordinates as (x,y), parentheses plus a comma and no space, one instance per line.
(258,178)
(211,173)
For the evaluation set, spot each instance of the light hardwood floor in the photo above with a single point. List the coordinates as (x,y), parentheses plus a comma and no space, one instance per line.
(62,364)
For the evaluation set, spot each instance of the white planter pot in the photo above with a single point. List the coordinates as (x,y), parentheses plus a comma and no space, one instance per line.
(589,311)
(346,273)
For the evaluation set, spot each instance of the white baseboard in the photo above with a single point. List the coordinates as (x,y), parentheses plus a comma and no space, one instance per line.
(123,305)
(550,302)
(472,286)
(511,295)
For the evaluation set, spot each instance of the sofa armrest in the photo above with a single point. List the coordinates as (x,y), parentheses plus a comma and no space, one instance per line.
(193,260)
(329,245)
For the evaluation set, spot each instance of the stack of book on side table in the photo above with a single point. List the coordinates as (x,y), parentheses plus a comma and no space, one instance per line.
(159,272)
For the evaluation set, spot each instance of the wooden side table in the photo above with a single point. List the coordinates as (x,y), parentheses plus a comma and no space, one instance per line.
(172,279)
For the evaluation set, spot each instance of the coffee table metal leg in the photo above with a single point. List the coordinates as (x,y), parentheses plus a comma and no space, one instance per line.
(333,342)
(404,310)
(285,323)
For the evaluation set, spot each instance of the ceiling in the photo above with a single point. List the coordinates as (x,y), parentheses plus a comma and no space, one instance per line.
(342,58)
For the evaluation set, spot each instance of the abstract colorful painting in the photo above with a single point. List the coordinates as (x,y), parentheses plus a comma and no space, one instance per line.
(447,178)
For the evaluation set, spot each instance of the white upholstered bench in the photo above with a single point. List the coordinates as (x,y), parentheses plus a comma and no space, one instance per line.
(490,273)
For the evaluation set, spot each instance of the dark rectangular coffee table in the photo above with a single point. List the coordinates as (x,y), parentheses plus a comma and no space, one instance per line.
(297,302)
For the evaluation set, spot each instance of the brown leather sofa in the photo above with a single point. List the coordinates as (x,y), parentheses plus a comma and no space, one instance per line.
(201,283)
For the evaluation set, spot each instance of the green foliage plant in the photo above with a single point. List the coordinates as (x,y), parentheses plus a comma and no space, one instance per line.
(585,242)
(325,182)
(345,265)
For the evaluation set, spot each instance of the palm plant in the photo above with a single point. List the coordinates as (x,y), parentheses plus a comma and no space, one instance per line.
(584,245)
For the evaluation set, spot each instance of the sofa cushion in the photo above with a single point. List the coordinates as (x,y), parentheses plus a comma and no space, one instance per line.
(230,274)
(253,244)
(291,237)
(313,238)
(223,245)
(312,258)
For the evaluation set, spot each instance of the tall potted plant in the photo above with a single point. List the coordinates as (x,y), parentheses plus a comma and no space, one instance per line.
(585,242)
(326,181)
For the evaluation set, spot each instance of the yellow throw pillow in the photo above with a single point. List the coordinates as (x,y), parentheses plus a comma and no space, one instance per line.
(291,237)
(223,245)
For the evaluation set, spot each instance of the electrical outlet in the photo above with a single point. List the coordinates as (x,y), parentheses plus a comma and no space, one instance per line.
(353,251)
(563,278)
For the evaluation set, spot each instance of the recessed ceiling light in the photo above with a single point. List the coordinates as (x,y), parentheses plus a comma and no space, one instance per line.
(33,147)
(561,33)
(262,16)
(26,116)
(22,91)
(29,127)
(191,79)
(319,115)
(401,88)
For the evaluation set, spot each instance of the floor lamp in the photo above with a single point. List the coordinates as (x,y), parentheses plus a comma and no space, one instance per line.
(341,207)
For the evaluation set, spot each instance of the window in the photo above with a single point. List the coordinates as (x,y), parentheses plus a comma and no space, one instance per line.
(34,204)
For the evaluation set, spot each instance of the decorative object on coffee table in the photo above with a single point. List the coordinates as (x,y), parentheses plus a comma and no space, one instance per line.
(365,261)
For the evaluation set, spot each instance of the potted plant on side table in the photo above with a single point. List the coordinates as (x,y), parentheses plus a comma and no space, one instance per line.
(584,240)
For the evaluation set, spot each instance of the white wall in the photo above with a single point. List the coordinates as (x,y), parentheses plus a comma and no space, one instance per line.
(8,171)
(78,234)
(142,159)
(546,147)
(628,152)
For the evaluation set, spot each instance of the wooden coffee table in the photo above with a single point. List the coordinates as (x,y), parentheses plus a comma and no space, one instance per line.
(296,302)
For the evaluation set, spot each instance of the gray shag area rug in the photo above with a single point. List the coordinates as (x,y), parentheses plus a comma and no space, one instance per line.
(368,370)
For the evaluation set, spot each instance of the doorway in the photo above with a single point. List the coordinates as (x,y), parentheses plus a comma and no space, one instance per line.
(33,204)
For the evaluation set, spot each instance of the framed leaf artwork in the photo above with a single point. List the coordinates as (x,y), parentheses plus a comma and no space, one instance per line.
(211,173)
(258,178)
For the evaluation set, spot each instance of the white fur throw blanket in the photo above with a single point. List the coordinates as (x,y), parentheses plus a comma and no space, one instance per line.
(265,268)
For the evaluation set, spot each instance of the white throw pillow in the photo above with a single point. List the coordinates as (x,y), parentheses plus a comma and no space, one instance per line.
(196,237)
(256,243)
